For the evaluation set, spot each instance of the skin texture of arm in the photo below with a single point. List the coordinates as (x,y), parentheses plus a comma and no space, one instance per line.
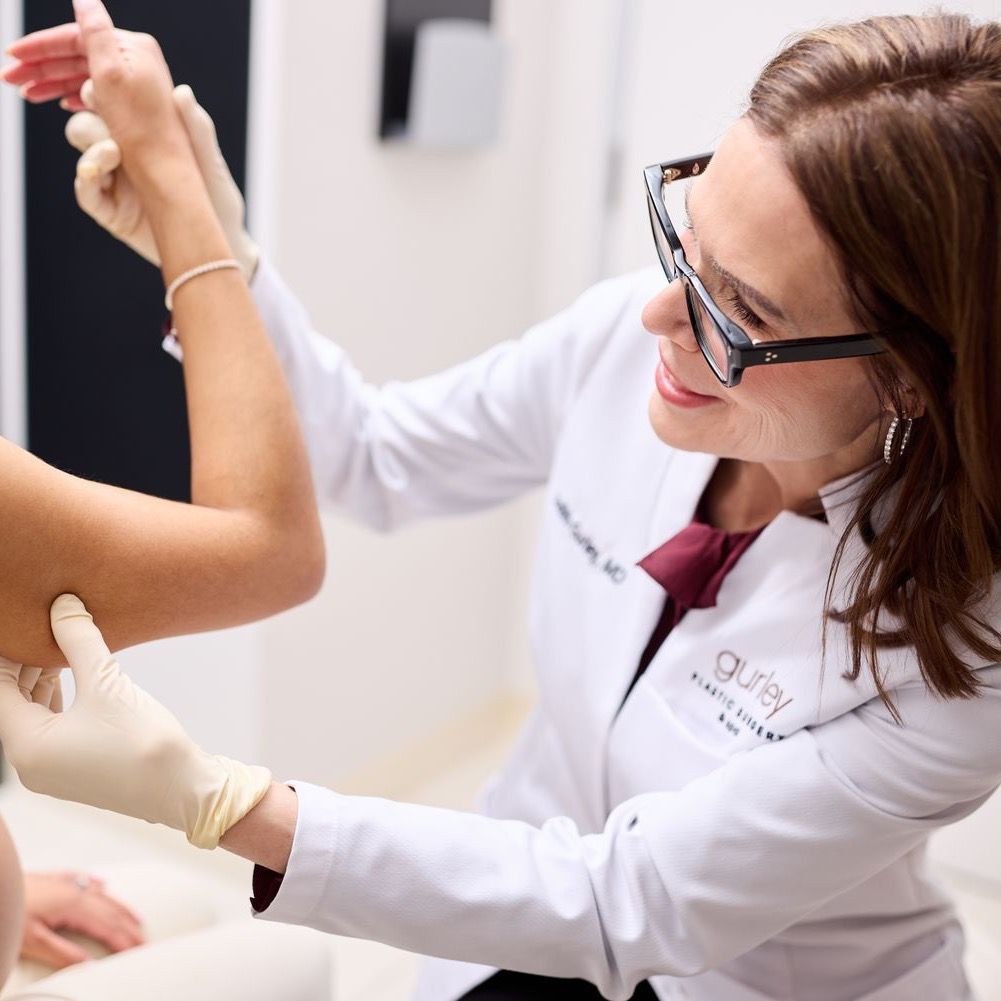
(250,543)
(264,836)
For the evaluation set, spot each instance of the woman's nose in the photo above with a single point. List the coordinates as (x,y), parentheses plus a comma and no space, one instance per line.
(666,315)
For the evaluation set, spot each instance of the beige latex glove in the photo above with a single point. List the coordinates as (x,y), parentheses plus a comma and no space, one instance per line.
(116,747)
(105,193)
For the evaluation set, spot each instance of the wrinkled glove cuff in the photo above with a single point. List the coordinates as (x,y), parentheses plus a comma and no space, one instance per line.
(241,788)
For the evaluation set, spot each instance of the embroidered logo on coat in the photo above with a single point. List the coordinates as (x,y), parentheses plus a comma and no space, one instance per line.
(741,714)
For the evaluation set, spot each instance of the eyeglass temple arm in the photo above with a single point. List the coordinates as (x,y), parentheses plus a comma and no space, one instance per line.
(809,349)
(676,170)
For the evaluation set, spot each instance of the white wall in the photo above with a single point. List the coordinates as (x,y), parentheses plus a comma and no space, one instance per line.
(13,370)
(688,69)
(413,261)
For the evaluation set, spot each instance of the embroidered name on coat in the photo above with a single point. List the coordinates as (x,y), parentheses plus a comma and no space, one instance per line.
(610,567)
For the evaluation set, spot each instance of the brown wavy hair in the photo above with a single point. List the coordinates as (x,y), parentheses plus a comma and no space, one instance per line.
(891,129)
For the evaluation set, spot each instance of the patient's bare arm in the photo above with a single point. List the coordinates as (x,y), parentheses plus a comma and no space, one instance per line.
(250,544)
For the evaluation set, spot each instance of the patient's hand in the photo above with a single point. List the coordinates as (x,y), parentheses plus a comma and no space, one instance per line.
(50,66)
(132,88)
(73,902)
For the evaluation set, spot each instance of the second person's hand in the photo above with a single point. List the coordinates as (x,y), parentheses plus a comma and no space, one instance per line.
(105,192)
(116,747)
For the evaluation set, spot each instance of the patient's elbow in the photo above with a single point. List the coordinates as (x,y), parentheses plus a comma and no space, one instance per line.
(303,567)
(312,571)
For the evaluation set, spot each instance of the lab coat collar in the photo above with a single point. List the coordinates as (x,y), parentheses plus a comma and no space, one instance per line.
(840,497)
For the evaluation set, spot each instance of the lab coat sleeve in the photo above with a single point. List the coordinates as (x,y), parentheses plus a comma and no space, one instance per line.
(467,438)
(677,882)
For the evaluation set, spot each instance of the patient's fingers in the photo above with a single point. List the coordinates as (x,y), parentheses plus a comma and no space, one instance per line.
(40,72)
(37,93)
(87,94)
(85,129)
(102,158)
(100,43)
(95,198)
(49,43)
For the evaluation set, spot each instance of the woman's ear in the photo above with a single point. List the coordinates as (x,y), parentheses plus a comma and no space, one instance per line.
(914,403)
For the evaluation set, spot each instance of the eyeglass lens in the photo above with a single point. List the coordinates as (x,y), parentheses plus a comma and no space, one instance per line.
(664,251)
(709,335)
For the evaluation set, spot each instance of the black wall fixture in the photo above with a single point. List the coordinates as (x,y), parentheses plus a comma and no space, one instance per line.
(103,400)
(402,20)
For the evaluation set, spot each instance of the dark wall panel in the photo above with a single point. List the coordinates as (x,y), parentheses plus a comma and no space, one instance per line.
(103,400)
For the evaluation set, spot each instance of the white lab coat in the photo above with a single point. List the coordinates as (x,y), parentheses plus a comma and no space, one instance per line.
(746,826)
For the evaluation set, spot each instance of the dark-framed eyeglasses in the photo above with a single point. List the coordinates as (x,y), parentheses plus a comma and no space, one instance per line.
(727,347)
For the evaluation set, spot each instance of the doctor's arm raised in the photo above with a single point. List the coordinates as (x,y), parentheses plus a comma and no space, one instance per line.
(249,544)
(676,883)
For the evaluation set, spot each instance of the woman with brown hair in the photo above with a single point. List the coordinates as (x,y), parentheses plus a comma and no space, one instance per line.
(726,791)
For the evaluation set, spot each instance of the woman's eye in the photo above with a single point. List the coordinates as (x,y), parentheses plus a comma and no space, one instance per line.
(742,312)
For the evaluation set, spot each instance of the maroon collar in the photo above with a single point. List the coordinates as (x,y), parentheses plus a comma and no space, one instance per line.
(691,565)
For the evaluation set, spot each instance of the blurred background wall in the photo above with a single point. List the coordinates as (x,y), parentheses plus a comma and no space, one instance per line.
(416,260)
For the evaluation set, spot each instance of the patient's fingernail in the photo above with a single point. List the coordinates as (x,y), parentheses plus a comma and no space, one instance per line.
(87,171)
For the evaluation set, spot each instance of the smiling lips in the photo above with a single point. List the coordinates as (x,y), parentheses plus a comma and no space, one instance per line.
(678,395)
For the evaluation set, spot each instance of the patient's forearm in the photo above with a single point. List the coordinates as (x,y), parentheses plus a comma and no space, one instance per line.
(265,835)
(247,451)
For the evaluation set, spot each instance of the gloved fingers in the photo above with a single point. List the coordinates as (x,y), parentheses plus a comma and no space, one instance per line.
(92,195)
(10,678)
(26,681)
(201,128)
(85,129)
(101,159)
(80,641)
(87,93)
(18,714)
(48,692)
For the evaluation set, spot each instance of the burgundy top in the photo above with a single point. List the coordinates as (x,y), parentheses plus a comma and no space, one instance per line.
(690,566)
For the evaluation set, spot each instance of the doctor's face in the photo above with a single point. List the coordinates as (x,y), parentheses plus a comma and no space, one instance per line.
(761,257)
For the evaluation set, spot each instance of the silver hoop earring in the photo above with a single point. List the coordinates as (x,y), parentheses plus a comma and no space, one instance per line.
(891,434)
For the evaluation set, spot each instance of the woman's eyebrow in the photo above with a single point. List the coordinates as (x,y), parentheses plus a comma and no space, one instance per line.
(749,292)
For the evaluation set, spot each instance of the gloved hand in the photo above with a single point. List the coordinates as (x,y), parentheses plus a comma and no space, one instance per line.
(104,192)
(116,747)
